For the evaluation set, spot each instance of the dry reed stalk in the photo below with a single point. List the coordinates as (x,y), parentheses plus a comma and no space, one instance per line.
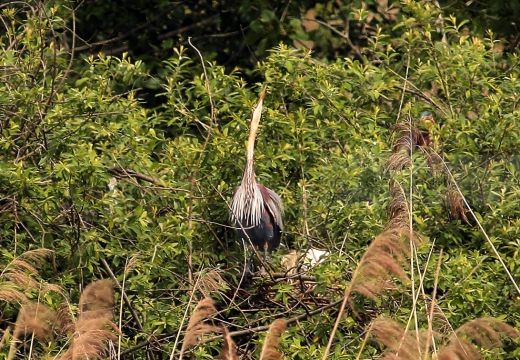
(430,335)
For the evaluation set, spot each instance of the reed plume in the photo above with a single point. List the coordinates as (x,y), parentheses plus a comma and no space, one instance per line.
(397,208)
(461,345)
(399,344)
(210,280)
(97,300)
(272,341)
(400,157)
(484,332)
(229,348)
(205,309)
(413,137)
(33,319)
(17,277)
(455,204)
(386,257)
(64,321)
(94,326)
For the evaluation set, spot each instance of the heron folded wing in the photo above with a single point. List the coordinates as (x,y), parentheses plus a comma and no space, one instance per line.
(275,206)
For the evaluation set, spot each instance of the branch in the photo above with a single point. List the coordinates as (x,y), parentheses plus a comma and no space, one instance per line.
(126,299)
(345,37)
(124,48)
(172,33)
(125,173)
(137,29)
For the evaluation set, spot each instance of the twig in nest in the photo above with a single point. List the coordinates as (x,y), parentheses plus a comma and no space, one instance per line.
(248,331)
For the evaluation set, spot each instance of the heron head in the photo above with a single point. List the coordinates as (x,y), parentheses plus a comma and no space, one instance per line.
(427,120)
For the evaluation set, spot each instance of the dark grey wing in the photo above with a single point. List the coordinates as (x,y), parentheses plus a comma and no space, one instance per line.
(275,206)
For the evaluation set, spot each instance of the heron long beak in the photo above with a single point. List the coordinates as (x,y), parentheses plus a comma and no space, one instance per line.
(257,112)
(255,120)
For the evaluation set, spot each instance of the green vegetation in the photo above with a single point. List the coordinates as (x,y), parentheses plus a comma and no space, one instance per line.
(122,167)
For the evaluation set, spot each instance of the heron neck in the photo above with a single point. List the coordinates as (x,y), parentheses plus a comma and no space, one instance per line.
(249,178)
(251,142)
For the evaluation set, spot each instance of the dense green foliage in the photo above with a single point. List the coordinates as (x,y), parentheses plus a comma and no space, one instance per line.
(72,124)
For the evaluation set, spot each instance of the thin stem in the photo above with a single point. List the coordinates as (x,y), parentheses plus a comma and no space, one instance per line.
(346,296)
(199,161)
(365,339)
(410,228)
(121,310)
(184,319)
(432,305)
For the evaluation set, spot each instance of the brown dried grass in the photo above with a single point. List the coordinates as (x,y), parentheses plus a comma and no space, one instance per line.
(33,319)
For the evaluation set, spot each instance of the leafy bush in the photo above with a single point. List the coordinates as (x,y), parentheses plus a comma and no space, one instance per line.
(141,195)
